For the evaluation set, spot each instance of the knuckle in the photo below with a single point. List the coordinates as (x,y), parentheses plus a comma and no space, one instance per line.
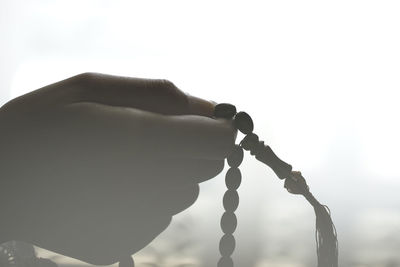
(167,84)
(8,105)
(86,78)
(82,85)
(163,85)
(166,92)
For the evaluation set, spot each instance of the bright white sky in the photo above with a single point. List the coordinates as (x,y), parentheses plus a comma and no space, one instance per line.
(320,78)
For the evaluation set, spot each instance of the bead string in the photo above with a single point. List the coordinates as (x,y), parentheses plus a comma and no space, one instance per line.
(233,178)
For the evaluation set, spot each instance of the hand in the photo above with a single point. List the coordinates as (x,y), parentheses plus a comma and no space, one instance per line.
(95,166)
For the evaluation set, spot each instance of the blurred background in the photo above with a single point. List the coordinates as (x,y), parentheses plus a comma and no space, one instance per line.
(320,79)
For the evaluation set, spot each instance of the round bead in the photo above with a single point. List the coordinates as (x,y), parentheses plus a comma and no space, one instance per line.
(243,122)
(249,142)
(236,156)
(225,262)
(227,245)
(126,262)
(233,178)
(224,110)
(228,222)
(231,200)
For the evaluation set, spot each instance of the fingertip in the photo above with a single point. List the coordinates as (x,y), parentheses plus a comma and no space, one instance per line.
(199,106)
(229,137)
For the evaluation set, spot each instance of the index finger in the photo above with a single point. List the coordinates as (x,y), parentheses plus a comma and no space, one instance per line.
(154,95)
(149,133)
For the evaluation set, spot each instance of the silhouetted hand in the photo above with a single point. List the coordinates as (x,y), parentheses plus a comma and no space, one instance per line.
(94,167)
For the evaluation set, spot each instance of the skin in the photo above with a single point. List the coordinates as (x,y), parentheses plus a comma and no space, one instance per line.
(95,166)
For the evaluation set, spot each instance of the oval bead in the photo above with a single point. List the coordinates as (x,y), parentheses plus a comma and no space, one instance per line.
(228,222)
(250,141)
(243,122)
(227,245)
(233,178)
(231,200)
(225,262)
(224,110)
(236,156)
(126,262)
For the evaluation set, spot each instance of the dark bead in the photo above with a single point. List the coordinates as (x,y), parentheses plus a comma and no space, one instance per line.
(233,178)
(236,156)
(126,262)
(231,200)
(227,245)
(256,150)
(266,155)
(225,262)
(243,122)
(224,110)
(228,222)
(249,142)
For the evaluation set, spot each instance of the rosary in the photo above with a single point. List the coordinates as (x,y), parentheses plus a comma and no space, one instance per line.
(325,234)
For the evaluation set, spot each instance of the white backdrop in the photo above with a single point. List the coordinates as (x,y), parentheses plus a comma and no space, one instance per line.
(320,79)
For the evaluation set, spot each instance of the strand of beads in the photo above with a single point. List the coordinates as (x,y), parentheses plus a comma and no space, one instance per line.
(233,178)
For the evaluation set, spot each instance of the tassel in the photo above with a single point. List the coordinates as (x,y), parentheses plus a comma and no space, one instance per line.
(325,233)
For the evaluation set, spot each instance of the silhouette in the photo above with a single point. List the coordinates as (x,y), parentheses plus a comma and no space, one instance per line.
(95,166)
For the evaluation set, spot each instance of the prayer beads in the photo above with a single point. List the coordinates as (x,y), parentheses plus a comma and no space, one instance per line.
(242,122)
(327,246)
(233,179)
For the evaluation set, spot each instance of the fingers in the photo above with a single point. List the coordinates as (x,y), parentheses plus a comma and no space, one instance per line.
(155,95)
(169,173)
(119,181)
(104,241)
(197,137)
(127,129)
(174,200)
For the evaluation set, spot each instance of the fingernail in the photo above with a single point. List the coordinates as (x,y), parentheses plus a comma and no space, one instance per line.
(200,106)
